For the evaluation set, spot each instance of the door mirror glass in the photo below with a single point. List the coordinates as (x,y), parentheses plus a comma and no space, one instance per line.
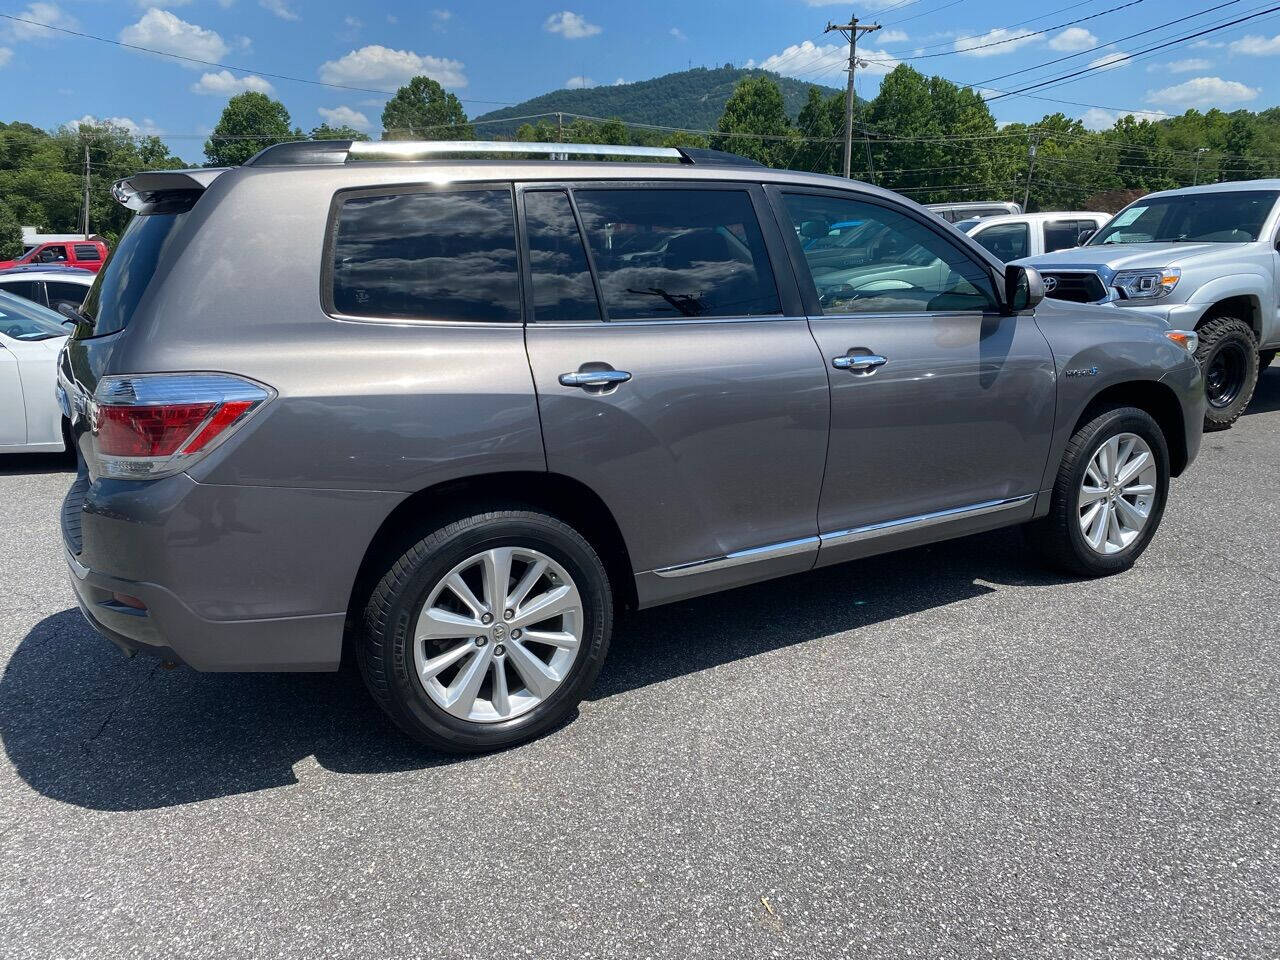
(1024,289)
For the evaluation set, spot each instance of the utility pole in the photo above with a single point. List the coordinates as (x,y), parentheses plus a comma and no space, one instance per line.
(1199,151)
(1031,167)
(560,127)
(850,32)
(85,221)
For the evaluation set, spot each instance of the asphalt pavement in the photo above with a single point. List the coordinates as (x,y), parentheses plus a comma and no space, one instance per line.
(941,753)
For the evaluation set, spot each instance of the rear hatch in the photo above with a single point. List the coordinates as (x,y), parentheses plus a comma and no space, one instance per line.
(161,202)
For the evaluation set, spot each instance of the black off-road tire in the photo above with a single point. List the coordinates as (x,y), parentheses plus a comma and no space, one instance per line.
(385,649)
(1228,341)
(1058,536)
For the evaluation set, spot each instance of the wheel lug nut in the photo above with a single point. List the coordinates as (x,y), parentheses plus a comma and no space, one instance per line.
(481,641)
(487,618)
(515,634)
(499,650)
(508,615)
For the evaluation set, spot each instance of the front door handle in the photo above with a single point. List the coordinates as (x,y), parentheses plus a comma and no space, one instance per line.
(864,363)
(594,378)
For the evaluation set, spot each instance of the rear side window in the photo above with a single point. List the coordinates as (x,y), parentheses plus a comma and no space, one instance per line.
(1063,234)
(61,292)
(124,278)
(668,254)
(87,251)
(562,287)
(447,255)
(1008,241)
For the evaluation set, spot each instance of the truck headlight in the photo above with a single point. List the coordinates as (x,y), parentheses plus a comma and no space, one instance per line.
(1146,284)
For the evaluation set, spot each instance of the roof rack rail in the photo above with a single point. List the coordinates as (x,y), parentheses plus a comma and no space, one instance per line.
(307,152)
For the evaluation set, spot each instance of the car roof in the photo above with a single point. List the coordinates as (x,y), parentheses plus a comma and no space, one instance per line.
(1231,186)
(1035,217)
(48,272)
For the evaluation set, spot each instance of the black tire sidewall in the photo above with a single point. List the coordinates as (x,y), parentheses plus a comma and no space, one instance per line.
(410,705)
(1092,436)
(1215,336)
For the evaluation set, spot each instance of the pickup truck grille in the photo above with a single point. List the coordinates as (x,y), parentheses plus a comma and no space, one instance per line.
(1076,287)
(71,512)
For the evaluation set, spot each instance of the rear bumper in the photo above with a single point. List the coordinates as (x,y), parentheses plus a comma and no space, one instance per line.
(232,578)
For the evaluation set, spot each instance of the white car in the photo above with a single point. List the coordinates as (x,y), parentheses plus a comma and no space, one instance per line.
(30,338)
(47,285)
(1015,236)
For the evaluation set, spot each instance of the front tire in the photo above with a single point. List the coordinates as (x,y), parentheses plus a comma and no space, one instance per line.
(1228,355)
(1109,495)
(488,632)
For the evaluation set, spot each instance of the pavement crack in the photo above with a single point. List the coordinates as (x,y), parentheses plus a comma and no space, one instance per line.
(115,708)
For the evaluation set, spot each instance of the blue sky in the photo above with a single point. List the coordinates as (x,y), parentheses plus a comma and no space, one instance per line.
(504,51)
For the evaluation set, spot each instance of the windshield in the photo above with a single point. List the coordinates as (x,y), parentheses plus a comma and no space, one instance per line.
(1234,217)
(23,320)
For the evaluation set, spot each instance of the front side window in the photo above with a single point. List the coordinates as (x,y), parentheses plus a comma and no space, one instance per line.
(896,264)
(1214,217)
(669,254)
(562,287)
(30,289)
(1008,241)
(54,254)
(447,255)
(62,292)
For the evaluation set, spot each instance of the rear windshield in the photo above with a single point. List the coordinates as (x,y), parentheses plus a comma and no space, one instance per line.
(124,278)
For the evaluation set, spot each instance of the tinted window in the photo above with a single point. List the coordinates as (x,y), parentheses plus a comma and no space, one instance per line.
(87,251)
(1063,234)
(23,288)
(449,255)
(1217,217)
(123,279)
(562,287)
(898,264)
(59,292)
(678,253)
(1008,241)
(23,320)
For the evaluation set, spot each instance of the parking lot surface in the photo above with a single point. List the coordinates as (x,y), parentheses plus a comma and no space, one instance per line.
(943,752)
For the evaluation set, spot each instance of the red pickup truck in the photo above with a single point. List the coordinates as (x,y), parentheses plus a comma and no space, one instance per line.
(85,254)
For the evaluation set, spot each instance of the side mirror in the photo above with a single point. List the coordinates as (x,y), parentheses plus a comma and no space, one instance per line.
(1023,288)
(1084,236)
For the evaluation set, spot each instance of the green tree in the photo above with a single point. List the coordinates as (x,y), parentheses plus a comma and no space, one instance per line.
(343,132)
(250,122)
(821,126)
(10,234)
(423,110)
(755,123)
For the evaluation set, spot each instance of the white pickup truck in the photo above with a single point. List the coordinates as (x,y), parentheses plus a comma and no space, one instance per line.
(1018,235)
(1199,258)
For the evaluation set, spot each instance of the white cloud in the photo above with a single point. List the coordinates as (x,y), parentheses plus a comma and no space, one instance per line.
(163,32)
(5,56)
(174,3)
(678,34)
(1208,45)
(41,12)
(1203,92)
(1257,46)
(1181,66)
(1096,118)
(280,8)
(442,16)
(864,5)
(1073,38)
(570,25)
(892,36)
(147,128)
(579,83)
(809,60)
(993,43)
(1112,60)
(226,84)
(386,69)
(344,117)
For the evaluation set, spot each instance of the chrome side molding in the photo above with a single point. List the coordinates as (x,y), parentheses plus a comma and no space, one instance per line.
(788,548)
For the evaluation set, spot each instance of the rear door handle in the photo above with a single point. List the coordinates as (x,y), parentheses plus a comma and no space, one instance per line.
(594,378)
(865,363)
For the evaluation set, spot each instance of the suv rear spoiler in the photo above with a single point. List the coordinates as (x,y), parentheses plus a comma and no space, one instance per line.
(149,192)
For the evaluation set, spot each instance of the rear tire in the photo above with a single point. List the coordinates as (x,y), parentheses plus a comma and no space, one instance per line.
(1073,539)
(1228,355)
(472,672)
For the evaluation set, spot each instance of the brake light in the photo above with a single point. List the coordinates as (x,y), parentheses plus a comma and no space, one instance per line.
(155,425)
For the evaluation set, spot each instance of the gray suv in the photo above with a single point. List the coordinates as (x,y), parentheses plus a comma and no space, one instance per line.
(448,411)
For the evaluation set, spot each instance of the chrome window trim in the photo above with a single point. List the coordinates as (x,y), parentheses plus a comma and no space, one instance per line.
(871,531)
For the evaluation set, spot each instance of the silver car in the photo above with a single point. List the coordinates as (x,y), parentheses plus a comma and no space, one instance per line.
(447,410)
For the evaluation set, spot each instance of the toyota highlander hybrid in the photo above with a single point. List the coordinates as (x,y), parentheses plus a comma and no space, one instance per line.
(493,397)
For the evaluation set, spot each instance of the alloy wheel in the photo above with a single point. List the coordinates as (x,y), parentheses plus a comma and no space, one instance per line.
(498,634)
(1117,493)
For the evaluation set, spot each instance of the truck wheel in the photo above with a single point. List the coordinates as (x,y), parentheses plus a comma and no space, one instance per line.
(1109,495)
(488,631)
(1228,354)
(1265,358)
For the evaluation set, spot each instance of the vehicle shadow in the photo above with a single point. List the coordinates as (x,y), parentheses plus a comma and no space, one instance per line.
(19,464)
(1266,396)
(83,725)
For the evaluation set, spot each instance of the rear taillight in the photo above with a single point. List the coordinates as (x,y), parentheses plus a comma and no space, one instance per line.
(155,425)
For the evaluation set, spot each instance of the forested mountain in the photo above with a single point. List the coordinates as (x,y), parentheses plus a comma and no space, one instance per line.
(691,98)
